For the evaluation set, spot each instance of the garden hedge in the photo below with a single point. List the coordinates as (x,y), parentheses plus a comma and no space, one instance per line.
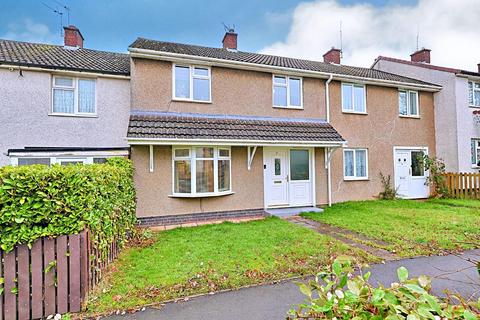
(40,201)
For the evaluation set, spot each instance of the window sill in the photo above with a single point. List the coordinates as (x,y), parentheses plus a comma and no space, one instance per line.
(355,179)
(191,100)
(73,115)
(355,112)
(288,108)
(207,195)
(409,117)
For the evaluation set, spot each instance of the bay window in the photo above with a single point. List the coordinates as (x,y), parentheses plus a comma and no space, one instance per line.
(353,98)
(192,83)
(408,103)
(355,164)
(199,171)
(73,96)
(287,92)
(474,94)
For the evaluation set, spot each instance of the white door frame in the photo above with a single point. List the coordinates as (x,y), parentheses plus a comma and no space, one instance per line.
(427,173)
(311,152)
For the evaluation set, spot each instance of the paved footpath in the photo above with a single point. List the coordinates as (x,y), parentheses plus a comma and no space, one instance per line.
(273,301)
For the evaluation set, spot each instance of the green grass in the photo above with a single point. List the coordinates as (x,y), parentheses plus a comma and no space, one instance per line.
(410,227)
(189,261)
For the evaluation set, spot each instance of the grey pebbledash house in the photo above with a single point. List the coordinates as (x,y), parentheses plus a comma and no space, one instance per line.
(62,104)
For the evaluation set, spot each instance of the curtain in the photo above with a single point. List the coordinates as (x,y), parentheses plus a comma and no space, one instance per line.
(361,163)
(86,96)
(223,175)
(182,82)
(63,101)
(359,95)
(402,103)
(413,104)
(348,159)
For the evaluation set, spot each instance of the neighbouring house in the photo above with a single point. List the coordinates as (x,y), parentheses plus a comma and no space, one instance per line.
(217,132)
(457,107)
(62,104)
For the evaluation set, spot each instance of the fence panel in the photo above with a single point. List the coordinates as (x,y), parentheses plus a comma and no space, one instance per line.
(462,185)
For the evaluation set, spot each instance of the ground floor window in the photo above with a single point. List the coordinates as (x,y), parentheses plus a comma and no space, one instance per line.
(475,152)
(201,170)
(31,160)
(355,164)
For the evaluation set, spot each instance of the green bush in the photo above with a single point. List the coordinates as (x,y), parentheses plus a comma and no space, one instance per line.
(39,201)
(337,294)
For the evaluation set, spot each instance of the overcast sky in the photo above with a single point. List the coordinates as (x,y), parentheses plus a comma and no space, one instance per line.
(305,29)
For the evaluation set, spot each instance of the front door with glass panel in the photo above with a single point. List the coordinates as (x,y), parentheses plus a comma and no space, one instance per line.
(287,177)
(410,175)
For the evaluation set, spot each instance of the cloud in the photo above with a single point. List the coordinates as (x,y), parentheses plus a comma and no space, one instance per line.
(30,31)
(448,27)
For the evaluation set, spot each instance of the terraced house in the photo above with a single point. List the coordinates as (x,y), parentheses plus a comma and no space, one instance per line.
(219,132)
(62,104)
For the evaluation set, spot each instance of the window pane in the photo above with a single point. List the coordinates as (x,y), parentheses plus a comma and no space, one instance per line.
(280,96)
(182,82)
(200,72)
(99,160)
(201,89)
(359,95)
(347,103)
(470,93)
(348,163)
(86,96)
(402,101)
(223,152)
(182,153)
(280,80)
(204,152)
(473,153)
(64,82)
(30,161)
(63,101)
(182,176)
(71,162)
(413,104)
(223,175)
(299,165)
(478,152)
(278,167)
(417,163)
(477,97)
(205,176)
(295,93)
(361,163)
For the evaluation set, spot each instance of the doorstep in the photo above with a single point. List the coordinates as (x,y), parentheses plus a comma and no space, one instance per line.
(288,212)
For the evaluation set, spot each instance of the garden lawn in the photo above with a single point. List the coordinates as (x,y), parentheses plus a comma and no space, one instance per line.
(187,261)
(410,227)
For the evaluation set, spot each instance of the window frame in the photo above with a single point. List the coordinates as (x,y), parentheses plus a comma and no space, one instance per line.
(353,85)
(192,76)
(287,85)
(474,105)
(409,114)
(475,149)
(355,177)
(75,89)
(193,167)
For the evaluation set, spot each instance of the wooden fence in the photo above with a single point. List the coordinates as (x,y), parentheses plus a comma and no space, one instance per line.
(463,185)
(54,276)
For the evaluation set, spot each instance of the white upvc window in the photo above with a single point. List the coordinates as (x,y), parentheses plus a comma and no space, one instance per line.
(74,96)
(355,164)
(201,171)
(474,94)
(475,152)
(408,103)
(61,160)
(287,92)
(192,83)
(354,99)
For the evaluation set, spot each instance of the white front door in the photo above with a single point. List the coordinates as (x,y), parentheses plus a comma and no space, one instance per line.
(410,176)
(288,177)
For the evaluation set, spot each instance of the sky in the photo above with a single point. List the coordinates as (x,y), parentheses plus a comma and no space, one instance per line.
(303,29)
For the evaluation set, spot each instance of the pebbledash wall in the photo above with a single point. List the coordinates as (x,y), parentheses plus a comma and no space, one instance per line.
(379,131)
(25,108)
(454,126)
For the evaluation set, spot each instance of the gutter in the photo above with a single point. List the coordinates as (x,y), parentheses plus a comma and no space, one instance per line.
(14,67)
(327,95)
(175,57)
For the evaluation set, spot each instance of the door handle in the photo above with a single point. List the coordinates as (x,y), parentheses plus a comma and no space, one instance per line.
(288,179)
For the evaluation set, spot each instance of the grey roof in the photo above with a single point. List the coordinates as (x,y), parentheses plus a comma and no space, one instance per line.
(269,60)
(59,57)
(186,126)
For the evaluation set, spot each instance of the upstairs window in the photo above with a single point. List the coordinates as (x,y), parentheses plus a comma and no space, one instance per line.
(353,98)
(287,92)
(408,103)
(475,152)
(73,96)
(474,94)
(192,83)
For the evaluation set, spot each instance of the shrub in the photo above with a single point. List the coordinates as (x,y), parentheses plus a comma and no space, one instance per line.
(39,201)
(436,178)
(389,192)
(336,294)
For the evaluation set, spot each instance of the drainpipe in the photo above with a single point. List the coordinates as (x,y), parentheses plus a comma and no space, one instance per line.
(327,95)
(327,150)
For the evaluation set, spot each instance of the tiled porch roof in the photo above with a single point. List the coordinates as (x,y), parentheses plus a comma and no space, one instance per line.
(187,126)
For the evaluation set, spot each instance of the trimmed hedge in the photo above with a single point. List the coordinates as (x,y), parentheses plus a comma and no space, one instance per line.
(39,201)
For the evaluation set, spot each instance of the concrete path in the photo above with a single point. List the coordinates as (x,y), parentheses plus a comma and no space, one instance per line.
(273,301)
(289,212)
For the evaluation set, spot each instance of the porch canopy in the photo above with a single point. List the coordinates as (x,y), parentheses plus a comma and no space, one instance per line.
(170,128)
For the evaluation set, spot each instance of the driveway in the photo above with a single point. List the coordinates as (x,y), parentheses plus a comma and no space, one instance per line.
(273,301)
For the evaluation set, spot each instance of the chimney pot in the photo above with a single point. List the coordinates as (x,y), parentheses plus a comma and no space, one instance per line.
(333,56)
(478,65)
(73,37)
(230,40)
(422,55)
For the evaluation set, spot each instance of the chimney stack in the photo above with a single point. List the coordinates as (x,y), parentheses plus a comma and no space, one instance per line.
(73,37)
(478,65)
(230,40)
(422,55)
(333,56)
